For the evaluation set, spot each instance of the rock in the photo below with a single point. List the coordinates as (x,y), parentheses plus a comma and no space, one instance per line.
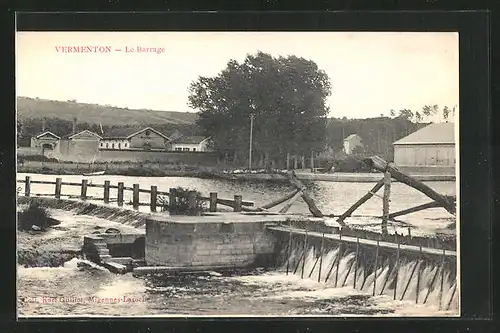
(36,228)
(112,231)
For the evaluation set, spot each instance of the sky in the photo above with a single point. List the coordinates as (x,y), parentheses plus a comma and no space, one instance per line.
(370,72)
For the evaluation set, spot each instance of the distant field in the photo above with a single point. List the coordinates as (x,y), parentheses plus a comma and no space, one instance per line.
(95,114)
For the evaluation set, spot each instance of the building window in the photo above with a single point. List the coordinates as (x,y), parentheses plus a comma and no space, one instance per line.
(178,149)
(101,144)
(185,149)
(125,145)
(113,146)
(107,145)
(194,149)
(119,146)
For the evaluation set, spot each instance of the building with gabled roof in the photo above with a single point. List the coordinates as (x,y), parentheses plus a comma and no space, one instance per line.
(192,143)
(131,138)
(351,142)
(431,147)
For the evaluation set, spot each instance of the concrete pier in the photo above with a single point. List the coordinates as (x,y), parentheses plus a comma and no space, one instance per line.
(217,240)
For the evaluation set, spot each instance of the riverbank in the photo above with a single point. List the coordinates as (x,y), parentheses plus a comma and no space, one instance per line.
(62,242)
(207,173)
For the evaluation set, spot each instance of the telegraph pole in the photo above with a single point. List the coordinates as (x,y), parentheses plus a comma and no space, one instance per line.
(250,150)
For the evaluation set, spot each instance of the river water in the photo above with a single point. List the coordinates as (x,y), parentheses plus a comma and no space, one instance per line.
(93,291)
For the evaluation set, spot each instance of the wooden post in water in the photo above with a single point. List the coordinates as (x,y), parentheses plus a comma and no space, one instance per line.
(356,263)
(58,188)
(288,161)
(106,191)
(192,202)
(397,272)
(409,280)
(431,285)
(321,256)
(315,263)
(375,265)
(154,197)
(172,201)
(303,164)
(83,194)
(393,270)
(27,186)
(418,276)
(289,250)
(338,261)
(295,162)
(120,194)
(442,281)
(387,195)
(213,201)
(409,232)
(237,203)
(305,256)
(135,196)
(451,298)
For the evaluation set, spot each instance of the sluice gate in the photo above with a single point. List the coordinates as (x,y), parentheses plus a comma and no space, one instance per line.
(402,272)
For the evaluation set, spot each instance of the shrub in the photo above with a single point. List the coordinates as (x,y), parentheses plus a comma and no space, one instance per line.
(182,203)
(36,215)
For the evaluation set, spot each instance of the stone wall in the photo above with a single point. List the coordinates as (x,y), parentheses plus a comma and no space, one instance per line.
(207,243)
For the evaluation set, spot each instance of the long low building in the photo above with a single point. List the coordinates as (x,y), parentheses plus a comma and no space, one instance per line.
(114,144)
(428,150)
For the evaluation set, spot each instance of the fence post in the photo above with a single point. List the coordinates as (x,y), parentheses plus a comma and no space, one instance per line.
(172,200)
(237,203)
(135,196)
(192,202)
(83,194)
(213,201)
(106,191)
(119,198)
(154,195)
(58,188)
(27,186)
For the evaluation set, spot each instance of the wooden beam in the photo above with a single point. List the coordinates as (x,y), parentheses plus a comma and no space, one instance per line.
(291,202)
(385,207)
(308,200)
(428,205)
(278,201)
(379,164)
(361,201)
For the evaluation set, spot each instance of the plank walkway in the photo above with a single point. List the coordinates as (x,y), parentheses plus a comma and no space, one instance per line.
(354,240)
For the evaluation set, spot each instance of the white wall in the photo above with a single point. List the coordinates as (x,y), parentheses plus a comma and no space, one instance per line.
(108,144)
(424,155)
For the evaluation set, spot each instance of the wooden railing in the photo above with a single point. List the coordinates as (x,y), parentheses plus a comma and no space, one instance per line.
(237,203)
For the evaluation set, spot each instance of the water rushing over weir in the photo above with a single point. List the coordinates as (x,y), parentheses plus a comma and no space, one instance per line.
(424,280)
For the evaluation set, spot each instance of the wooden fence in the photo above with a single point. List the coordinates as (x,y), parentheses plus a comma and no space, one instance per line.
(237,203)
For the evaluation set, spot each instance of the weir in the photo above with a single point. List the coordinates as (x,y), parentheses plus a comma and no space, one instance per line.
(403,272)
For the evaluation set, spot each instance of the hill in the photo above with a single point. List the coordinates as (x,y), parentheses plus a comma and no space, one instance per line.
(34,108)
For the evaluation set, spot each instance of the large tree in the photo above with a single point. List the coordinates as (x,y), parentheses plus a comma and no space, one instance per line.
(286,95)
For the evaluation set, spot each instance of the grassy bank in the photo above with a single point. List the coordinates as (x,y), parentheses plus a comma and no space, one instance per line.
(125,170)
